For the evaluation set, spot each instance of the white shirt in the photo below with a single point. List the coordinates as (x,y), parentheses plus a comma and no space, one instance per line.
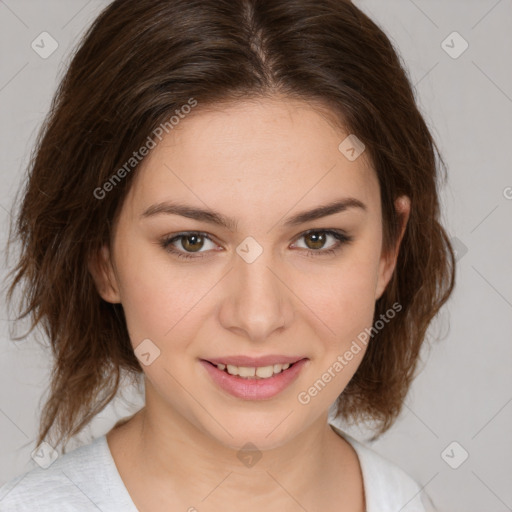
(86,479)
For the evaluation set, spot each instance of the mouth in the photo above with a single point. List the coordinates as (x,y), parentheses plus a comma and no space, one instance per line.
(253,372)
(254,379)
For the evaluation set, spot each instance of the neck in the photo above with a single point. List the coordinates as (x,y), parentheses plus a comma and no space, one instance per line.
(187,465)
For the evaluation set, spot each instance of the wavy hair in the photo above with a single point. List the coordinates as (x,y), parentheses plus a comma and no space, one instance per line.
(138,63)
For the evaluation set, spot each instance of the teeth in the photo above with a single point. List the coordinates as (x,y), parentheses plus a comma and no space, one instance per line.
(278,368)
(243,371)
(265,372)
(261,372)
(232,370)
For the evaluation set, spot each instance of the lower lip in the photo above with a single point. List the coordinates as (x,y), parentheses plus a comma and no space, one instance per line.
(254,389)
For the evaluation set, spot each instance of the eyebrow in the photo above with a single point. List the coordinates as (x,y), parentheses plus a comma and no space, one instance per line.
(214,217)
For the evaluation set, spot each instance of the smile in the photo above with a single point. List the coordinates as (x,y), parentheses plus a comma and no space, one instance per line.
(260,372)
(253,381)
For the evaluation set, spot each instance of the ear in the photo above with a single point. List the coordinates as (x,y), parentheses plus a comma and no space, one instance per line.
(101,268)
(388,259)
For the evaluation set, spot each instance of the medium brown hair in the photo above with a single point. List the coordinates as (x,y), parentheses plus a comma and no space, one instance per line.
(138,63)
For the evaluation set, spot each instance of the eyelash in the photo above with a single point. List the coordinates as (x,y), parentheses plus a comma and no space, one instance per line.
(342,238)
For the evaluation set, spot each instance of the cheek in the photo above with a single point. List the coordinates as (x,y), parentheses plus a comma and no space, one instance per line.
(342,296)
(344,308)
(157,296)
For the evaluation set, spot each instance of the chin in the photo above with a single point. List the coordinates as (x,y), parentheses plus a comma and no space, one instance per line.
(264,431)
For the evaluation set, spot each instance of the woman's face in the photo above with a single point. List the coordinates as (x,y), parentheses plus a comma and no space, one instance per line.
(257,290)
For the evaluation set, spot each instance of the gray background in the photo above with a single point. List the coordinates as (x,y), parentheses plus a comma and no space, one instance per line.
(463,392)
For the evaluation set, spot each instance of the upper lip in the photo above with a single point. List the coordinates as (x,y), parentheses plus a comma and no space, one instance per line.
(255,362)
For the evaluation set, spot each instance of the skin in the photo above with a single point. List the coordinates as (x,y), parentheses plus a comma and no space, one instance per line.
(259,162)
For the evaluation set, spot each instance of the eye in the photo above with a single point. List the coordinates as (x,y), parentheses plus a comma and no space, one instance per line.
(193,241)
(190,241)
(316,239)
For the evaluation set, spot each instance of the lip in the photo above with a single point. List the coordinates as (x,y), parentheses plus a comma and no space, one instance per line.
(254,389)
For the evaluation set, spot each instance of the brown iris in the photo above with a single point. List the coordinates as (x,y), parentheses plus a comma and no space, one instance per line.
(197,242)
(318,240)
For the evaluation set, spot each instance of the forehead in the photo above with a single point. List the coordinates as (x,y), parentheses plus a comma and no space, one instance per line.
(259,155)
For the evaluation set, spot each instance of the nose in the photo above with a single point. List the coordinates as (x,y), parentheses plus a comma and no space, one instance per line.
(257,299)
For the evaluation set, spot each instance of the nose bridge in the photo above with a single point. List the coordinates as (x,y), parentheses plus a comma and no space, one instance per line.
(257,301)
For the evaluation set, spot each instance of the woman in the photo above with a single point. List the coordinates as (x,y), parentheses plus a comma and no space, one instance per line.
(237,200)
